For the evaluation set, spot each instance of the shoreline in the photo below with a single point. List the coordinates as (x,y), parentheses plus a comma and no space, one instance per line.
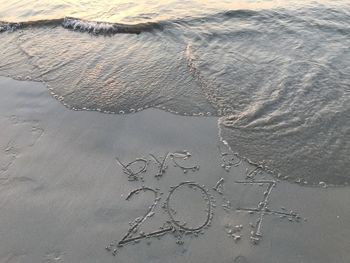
(273,172)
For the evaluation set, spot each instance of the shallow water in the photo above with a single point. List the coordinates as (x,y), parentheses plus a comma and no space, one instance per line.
(276,72)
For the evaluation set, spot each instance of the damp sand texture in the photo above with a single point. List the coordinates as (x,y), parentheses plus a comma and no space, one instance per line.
(64,197)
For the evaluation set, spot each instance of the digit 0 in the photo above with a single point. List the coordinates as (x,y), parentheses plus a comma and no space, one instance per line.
(171,212)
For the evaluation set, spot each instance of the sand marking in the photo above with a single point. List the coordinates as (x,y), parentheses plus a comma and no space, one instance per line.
(263,209)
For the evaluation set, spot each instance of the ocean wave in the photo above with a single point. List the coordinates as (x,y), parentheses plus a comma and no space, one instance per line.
(240,13)
(278,78)
(8,26)
(109,28)
(12,26)
(287,17)
(94,27)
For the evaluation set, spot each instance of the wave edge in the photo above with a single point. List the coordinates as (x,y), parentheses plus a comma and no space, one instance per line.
(76,24)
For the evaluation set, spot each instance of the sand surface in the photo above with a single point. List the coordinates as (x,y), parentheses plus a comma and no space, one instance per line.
(63,193)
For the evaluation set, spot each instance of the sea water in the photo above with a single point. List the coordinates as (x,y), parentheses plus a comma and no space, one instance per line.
(277,73)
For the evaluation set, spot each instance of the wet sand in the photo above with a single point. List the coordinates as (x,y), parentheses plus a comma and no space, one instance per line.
(63,193)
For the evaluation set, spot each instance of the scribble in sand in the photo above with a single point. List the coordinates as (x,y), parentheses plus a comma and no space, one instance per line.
(207,198)
(132,171)
(229,159)
(170,226)
(129,236)
(263,209)
(17,136)
(175,158)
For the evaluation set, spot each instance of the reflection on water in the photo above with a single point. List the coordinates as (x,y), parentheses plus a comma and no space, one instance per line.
(126,11)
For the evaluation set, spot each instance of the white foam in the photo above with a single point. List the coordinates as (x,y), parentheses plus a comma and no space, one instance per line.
(8,27)
(90,26)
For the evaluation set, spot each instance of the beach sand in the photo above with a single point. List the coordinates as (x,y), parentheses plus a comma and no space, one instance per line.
(63,193)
